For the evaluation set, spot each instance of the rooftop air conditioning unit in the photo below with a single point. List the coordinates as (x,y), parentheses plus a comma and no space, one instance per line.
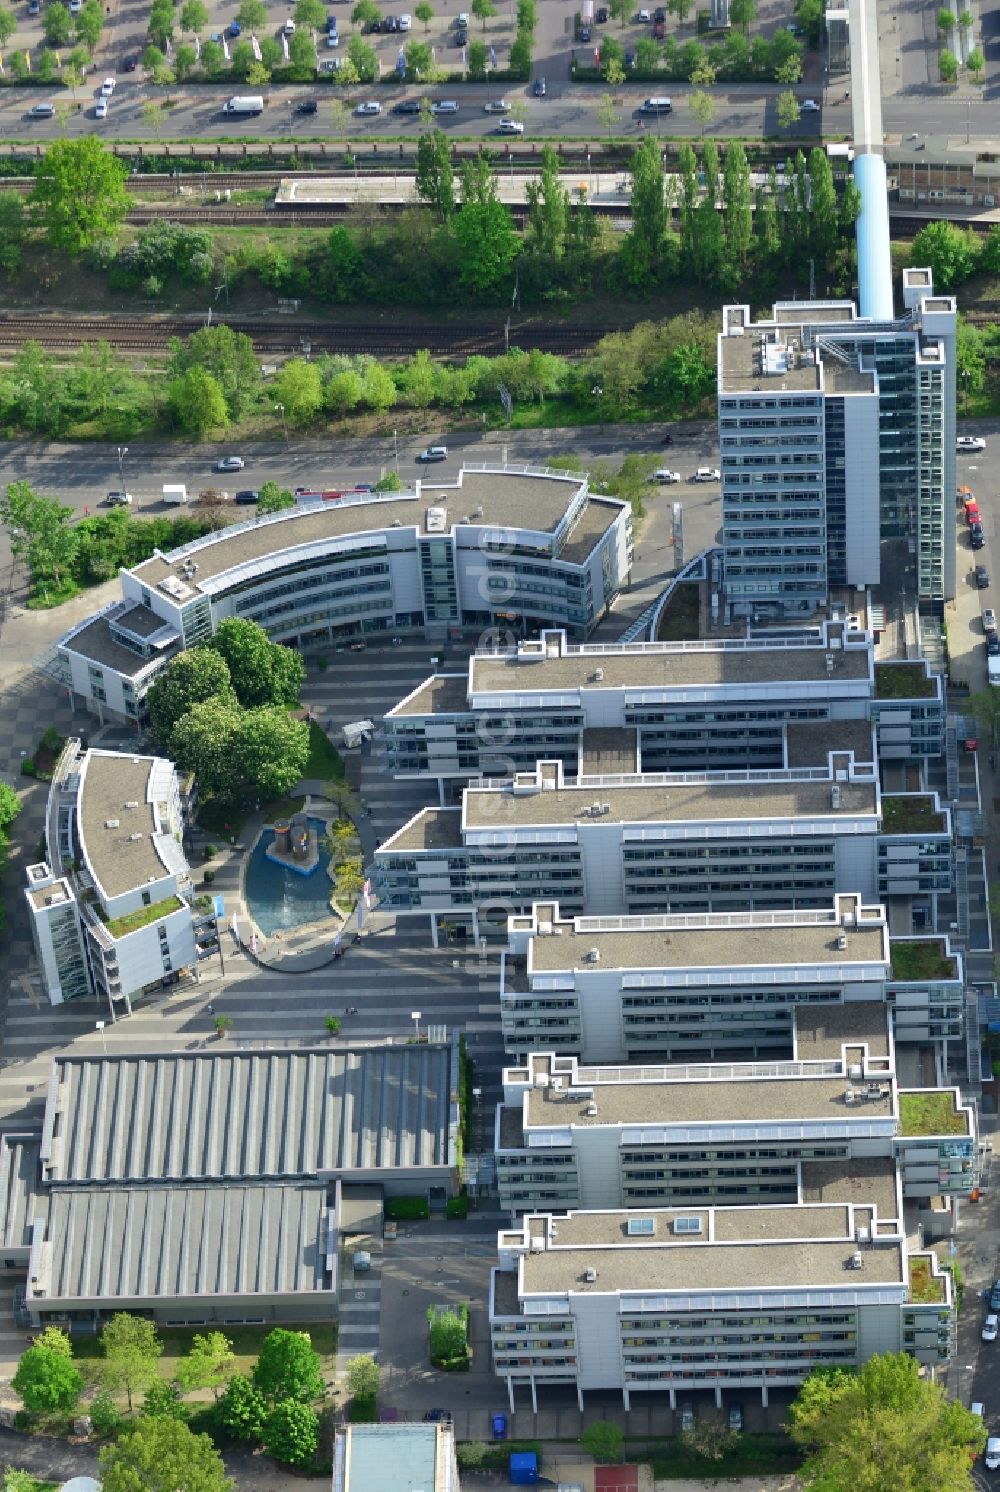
(835,796)
(857,1261)
(590,1276)
(591,1111)
(829,663)
(112,823)
(134,837)
(396,523)
(598,675)
(593,955)
(842,942)
(557,1084)
(132,803)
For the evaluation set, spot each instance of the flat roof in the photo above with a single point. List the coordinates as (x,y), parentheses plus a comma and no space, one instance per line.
(430,829)
(533,502)
(110,780)
(714,941)
(593,523)
(96,641)
(809,743)
(744,366)
(247,1115)
(822,1031)
(749,1100)
(653,666)
(668,803)
(780,1248)
(154,1242)
(441,694)
(374,1456)
(870,1182)
(609,749)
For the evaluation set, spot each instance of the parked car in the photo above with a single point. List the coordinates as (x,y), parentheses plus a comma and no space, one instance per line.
(230,463)
(643,15)
(706,474)
(539,87)
(130,64)
(993,1453)
(101,109)
(306,106)
(407,106)
(246,495)
(736,1417)
(498,1426)
(444,106)
(405,22)
(510,127)
(496,106)
(992,645)
(41,111)
(994,1301)
(433,453)
(437,1417)
(119,499)
(602,15)
(370,106)
(982,577)
(970,443)
(991,1328)
(989,619)
(665,474)
(809,106)
(687,1418)
(107,87)
(977,538)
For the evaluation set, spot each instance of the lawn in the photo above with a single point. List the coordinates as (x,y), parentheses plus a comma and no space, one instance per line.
(131,922)
(751,1455)
(902,681)
(924,1288)
(325,761)
(911,814)
(246,1342)
(931,1113)
(924,959)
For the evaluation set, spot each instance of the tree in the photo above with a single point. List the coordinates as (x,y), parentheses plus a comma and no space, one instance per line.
(13,231)
(487,240)
(90,24)
(613,71)
(789,71)
(947,65)
(419,61)
(40,531)
(424,12)
(548,212)
(702,106)
(188,680)
(519,57)
(197,403)
(262,672)
(58,24)
(970,359)
(230,358)
(952,253)
(291,1433)
(274,499)
(945,20)
(976,63)
(824,227)
(79,194)
(270,750)
(302,56)
(131,1349)
(299,388)
(737,214)
(209,1361)
(477,58)
(186,60)
(884,1426)
(153,114)
(160,27)
(788,110)
(362,1377)
(163,1401)
(252,15)
(311,14)
(649,209)
(603,1440)
(203,742)
(743,13)
(364,59)
(707,244)
(8,24)
(48,1381)
(620,10)
(288,1367)
(242,1409)
(527,17)
(482,10)
(967,20)
(448,1337)
(607,113)
(194,16)
(365,14)
(344,392)
(162,1455)
(435,179)
(379,388)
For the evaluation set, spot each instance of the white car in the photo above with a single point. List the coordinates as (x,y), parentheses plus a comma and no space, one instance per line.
(370,107)
(230,463)
(970,443)
(993,1453)
(101,109)
(810,106)
(991,1328)
(643,15)
(75,7)
(289,27)
(405,22)
(107,87)
(497,106)
(706,474)
(433,453)
(444,106)
(463,19)
(663,474)
(510,127)
(119,499)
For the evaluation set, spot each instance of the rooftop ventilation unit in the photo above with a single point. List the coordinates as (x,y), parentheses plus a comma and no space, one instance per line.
(112,823)
(842,942)
(591,1111)
(590,1276)
(557,1085)
(134,838)
(856,1261)
(835,795)
(598,675)
(593,955)
(132,803)
(829,663)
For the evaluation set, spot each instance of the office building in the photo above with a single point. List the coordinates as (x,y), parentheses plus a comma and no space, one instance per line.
(197,1187)
(394,1457)
(574,1136)
(509,548)
(621,844)
(836,433)
(721,986)
(112,909)
(736,1299)
(663,707)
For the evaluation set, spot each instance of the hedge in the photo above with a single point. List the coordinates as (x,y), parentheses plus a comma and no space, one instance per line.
(407,1209)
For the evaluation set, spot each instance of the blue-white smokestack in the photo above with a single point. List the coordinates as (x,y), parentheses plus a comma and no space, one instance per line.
(874,259)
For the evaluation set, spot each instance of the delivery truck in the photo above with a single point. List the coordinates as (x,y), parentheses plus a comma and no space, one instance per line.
(993,671)
(244,103)
(174,494)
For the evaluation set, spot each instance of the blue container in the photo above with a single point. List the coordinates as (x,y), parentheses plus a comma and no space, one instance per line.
(523,1468)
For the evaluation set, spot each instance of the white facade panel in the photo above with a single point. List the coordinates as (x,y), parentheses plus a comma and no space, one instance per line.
(861,440)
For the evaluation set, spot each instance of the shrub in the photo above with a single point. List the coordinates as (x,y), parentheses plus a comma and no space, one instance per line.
(210,850)
(407,1209)
(28,768)
(105,1416)
(457,1206)
(208,876)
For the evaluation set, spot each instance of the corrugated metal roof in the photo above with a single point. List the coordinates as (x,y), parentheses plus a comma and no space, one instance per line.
(249,1115)
(151,1242)
(20,1178)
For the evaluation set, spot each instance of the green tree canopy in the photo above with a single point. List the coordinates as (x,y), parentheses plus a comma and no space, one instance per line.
(242,1409)
(362,1376)
(270,750)
(47,1380)
(291,1433)
(203,742)
(157,1454)
(192,677)
(884,1426)
(603,1440)
(208,1364)
(952,253)
(163,1401)
(229,357)
(273,499)
(40,531)
(262,672)
(131,1350)
(299,387)
(79,194)
(197,402)
(435,181)
(288,1367)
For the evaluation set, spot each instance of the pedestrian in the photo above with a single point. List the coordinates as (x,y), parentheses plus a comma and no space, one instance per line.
(86,511)
(210,1008)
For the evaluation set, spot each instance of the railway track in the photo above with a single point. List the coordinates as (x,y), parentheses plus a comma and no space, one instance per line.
(134,335)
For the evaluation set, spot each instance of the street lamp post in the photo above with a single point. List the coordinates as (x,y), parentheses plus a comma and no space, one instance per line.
(104,1044)
(122,453)
(280,409)
(415,1018)
(395,447)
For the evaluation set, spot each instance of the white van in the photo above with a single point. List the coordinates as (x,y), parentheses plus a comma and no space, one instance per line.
(657,106)
(175,494)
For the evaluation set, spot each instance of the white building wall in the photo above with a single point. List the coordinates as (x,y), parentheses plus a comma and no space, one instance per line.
(861,439)
(140,960)
(598,1340)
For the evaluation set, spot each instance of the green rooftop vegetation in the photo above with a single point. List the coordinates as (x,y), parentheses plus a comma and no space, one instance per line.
(923,959)
(131,922)
(902,681)
(911,814)
(679,618)
(925,1289)
(931,1112)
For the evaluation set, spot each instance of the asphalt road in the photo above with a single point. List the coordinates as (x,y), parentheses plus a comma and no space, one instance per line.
(568,111)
